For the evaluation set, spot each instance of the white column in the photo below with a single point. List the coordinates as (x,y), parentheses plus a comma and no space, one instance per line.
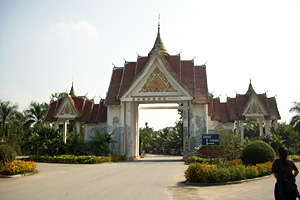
(237,127)
(267,127)
(129,135)
(261,131)
(242,132)
(134,125)
(276,124)
(186,141)
(65,132)
(78,127)
(56,125)
(85,132)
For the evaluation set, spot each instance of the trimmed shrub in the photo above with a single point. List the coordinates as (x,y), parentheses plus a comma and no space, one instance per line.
(206,173)
(257,152)
(7,153)
(18,167)
(73,159)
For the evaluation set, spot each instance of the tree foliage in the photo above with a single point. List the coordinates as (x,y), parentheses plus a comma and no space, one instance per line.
(295,121)
(162,141)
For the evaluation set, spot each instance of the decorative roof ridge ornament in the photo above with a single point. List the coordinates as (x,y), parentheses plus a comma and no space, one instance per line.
(72,92)
(250,89)
(159,45)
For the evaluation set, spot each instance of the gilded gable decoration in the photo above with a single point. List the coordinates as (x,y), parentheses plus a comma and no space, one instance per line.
(157,82)
(67,110)
(254,109)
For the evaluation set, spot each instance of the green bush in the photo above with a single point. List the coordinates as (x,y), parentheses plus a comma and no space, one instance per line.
(257,152)
(7,153)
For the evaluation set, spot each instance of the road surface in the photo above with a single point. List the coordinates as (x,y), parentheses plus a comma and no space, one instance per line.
(154,177)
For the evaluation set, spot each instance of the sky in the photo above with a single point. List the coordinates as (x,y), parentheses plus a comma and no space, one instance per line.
(45,45)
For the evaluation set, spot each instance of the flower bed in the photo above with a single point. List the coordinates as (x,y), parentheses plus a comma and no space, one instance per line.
(18,167)
(73,159)
(230,171)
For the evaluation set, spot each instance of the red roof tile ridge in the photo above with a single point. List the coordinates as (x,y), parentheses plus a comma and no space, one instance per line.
(97,113)
(91,111)
(111,78)
(121,83)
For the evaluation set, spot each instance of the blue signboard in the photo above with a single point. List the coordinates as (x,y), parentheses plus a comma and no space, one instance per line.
(210,139)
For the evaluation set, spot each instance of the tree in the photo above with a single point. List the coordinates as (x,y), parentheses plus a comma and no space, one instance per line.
(55,96)
(231,144)
(251,129)
(7,114)
(36,113)
(295,121)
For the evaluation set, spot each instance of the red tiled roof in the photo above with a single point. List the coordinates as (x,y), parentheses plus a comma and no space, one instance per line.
(274,113)
(201,84)
(128,76)
(86,111)
(216,110)
(102,113)
(224,113)
(50,112)
(141,62)
(187,75)
(89,112)
(193,78)
(113,90)
(233,109)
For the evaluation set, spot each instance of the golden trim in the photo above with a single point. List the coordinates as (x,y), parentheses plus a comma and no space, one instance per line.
(157,82)
(254,109)
(67,110)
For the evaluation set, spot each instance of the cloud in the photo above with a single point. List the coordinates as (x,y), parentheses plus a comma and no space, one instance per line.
(71,31)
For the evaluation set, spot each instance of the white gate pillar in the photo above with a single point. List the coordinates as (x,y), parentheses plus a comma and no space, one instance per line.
(186,141)
(242,132)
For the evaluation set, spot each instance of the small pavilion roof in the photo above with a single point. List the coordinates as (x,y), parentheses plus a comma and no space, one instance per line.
(232,110)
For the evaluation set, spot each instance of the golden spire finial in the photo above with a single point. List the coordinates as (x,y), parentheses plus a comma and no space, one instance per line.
(72,91)
(159,45)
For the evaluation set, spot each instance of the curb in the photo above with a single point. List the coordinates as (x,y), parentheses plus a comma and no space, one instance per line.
(15,176)
(227,183)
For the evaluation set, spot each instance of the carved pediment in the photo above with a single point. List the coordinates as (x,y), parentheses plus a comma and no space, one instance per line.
(67,110)
(157,82)
(254,109)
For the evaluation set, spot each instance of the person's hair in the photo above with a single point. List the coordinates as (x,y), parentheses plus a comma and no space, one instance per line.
(283,154)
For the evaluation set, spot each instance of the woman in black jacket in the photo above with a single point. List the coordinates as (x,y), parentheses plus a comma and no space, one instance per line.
(285,172)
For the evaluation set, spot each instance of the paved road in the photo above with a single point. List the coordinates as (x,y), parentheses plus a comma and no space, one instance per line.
(154,177)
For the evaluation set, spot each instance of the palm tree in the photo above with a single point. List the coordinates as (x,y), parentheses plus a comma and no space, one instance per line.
(7,113)
(295,121)
(36,113)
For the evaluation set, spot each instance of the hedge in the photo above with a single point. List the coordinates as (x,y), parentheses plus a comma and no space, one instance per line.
(72,159)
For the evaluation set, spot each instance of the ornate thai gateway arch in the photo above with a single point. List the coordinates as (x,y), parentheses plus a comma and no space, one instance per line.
(161,78)
(157,78)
